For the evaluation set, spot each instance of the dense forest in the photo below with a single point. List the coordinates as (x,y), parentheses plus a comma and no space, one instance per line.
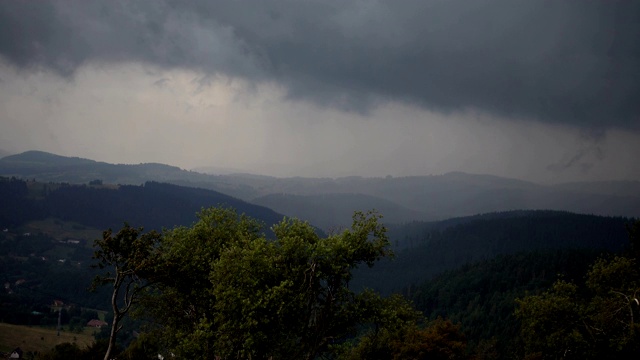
(426,249)
(152,205)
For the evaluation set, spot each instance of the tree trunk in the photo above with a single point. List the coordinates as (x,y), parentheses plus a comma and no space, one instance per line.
(112,336)
(116,314)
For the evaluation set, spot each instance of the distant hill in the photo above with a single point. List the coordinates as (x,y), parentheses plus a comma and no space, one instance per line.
(434,197)
(4,153)
(334,211)
(46,167)
(426,249)
(151,205)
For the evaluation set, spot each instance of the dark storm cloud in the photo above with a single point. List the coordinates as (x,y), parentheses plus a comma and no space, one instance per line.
(572,62)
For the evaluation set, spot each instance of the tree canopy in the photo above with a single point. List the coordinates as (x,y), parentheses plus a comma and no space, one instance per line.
(221,288)
(599,321)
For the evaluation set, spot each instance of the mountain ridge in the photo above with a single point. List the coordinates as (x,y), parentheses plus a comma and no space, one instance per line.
(436,197)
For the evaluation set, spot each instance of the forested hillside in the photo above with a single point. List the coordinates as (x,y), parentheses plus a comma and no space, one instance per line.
(482,296)
(426,249)
(151,205)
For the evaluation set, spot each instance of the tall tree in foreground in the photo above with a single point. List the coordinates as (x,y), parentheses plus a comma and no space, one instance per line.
(235,294)
(129,257)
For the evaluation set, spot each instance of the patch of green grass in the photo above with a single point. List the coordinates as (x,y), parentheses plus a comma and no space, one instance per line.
(40,339)
(64,230)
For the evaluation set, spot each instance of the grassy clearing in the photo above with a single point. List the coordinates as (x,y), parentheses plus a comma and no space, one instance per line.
(64,230)
(39,339)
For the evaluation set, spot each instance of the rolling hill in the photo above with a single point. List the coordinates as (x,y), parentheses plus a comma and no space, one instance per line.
(152,205)
(400,199)
(425,249)
(333,211)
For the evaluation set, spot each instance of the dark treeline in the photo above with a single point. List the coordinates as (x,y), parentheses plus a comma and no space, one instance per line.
(152,205)
(433,248)
(482,296)
(17,207)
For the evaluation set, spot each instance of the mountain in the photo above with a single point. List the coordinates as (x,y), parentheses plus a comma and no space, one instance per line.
(46,167)
(152,205)
(334,211)
(425,249)
(434,197)
(4,153)
(615,188)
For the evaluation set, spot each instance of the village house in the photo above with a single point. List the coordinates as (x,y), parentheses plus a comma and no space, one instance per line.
(16,354)
(95,323)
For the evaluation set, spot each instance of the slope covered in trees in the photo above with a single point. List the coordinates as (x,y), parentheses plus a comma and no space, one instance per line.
(597,319)
(152,205)
(426,249)
(481,296)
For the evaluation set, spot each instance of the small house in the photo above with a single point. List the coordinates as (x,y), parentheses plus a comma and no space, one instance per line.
(16,354)
(95,323)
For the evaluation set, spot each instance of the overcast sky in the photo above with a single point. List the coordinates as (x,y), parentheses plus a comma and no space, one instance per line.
(540,90)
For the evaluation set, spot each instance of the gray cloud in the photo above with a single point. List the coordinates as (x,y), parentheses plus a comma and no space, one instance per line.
(569,62)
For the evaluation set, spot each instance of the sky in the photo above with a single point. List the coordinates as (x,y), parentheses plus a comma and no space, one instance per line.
(547,91)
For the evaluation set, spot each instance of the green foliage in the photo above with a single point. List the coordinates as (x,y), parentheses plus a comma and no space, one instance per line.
(145,347)
(66,351)
(552,323)
(129,257)
(614,309)
(230,292)
(599,323)
(63,351)
(481,296)
(450,244)
(399,338)
(126,255)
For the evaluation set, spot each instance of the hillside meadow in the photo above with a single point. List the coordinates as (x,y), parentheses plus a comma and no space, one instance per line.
(39,339)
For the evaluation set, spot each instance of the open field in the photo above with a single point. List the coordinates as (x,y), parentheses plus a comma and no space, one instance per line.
(38,338)
(64,230)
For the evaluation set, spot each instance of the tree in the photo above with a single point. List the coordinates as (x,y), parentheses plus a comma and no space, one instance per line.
(552,323)
(63,351)
(395,331)
(614,309)
(129,257)
(182,301)
(233,293)
(598,322)
(290,298)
